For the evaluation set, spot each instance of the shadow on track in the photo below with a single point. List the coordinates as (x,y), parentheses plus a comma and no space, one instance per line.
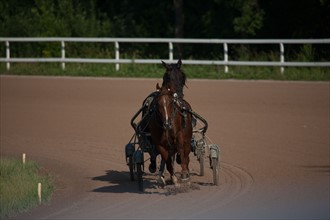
(119,182)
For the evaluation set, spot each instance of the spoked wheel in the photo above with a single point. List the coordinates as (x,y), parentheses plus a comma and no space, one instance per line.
(131,167)
(201,165)
(214,156)
(139,173)
(215,168)
(200,151)
(129,152)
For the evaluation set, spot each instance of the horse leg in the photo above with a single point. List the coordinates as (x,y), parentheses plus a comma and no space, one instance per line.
(153,160)
(185,170)
(161,178)
(169,166)
(184,165)
(170,169)
(184,154)
(164,157)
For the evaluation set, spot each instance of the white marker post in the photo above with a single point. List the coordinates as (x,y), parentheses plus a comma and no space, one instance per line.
(39,193)
(23,158)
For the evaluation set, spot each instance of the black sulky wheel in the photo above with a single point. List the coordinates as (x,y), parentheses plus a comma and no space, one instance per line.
(139,172)
(139,166)
(129,152)
(131,167)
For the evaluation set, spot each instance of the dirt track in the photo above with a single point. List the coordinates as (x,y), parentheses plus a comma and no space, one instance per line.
(274,139)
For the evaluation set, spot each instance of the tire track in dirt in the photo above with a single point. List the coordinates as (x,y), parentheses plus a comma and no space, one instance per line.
(237,180)
(234,183)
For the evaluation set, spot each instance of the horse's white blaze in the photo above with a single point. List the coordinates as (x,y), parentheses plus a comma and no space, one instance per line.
(166,115)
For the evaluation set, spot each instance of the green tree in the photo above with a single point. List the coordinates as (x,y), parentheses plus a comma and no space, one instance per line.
(250,19)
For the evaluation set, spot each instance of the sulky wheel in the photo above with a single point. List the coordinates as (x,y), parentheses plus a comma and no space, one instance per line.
(201,165)
(215,169)
(131,167)
(200,151)
(139,166)
(215,160)
(129,152)
(139,173)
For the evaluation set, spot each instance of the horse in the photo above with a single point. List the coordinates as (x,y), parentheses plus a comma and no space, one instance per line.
(171,132)
(174,79)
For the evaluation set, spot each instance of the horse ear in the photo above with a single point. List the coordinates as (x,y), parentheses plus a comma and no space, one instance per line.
(164,64)
(157,87)
(179,63)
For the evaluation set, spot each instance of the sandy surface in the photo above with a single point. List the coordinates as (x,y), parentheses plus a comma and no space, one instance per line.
(274,139)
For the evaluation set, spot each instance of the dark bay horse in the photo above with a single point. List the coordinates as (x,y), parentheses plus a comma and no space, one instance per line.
(174,79)
(171,131)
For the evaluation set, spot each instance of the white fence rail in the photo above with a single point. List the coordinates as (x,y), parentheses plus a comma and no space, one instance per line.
(170,41)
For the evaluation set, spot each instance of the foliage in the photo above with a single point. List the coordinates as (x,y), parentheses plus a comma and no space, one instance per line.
(18,186)
(48,18)
(251,18)
(144,18)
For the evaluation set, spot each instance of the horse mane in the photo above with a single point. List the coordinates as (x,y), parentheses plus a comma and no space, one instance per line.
(174,77)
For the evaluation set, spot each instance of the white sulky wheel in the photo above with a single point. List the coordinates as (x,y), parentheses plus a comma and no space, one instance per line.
(215,160)
(215,169)
(200,151)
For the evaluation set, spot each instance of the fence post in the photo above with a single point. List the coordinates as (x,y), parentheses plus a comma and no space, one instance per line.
(225,51)
(8,54)
(117,54)
(170,49)
(282,56)
(39,193)
(63,54)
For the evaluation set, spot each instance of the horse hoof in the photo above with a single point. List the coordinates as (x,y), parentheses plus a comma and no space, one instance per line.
(174,179)
(161,181)
(152,167)
(185,177)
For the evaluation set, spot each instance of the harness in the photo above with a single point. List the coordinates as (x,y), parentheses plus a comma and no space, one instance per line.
(149,109)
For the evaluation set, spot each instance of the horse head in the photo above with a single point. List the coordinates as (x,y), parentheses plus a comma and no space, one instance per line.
(174,78)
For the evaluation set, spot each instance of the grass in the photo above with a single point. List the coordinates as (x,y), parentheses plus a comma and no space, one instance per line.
(156,71)
(18,186)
